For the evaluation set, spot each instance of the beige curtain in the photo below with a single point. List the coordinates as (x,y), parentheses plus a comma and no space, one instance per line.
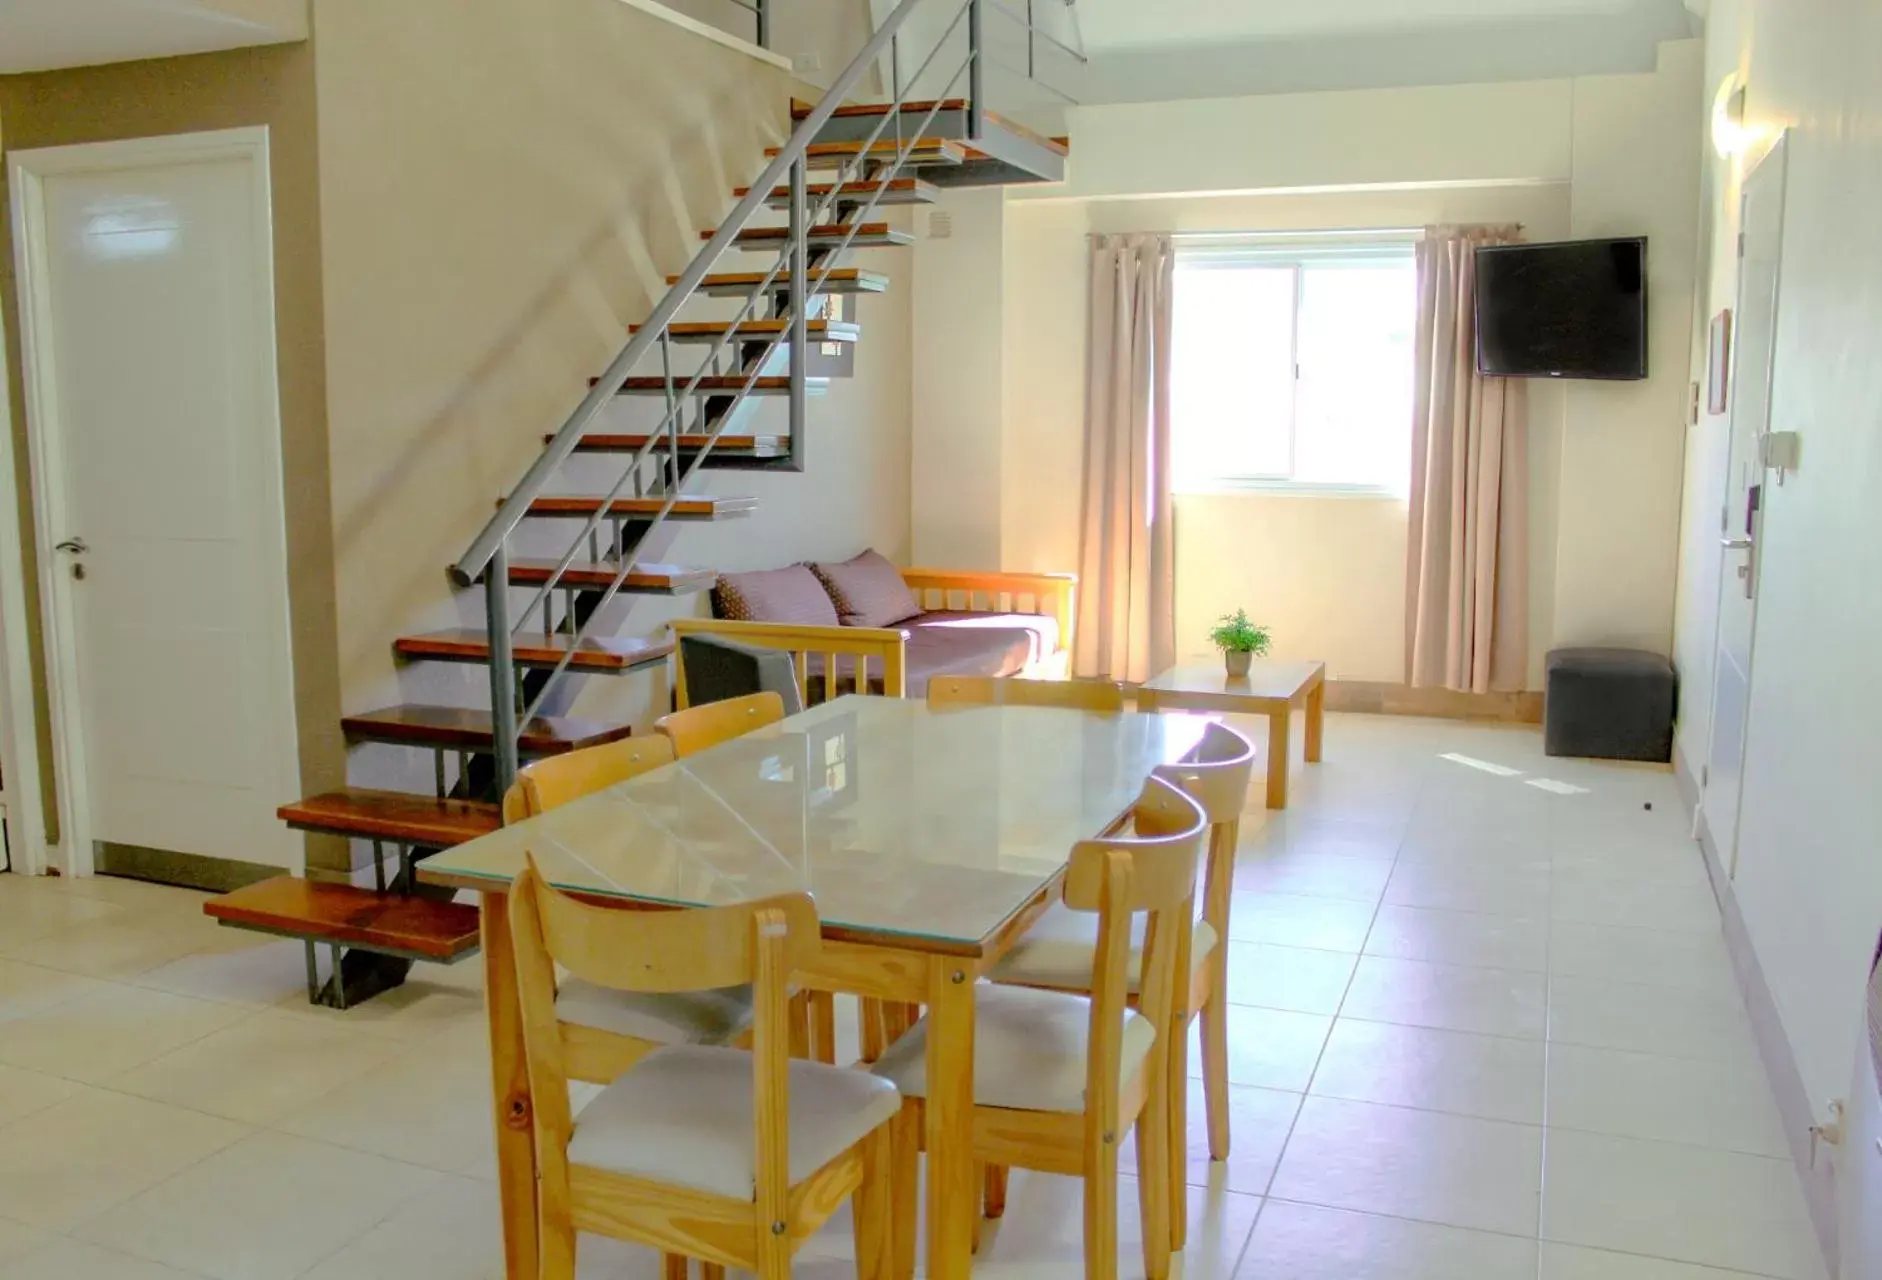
(1126,559)
(1467,569)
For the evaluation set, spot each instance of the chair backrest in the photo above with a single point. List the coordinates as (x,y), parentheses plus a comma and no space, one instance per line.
(698,729)
(1216,776)
(715,668)
(1151,871)
(1102,696)
(761,943)
(552,782)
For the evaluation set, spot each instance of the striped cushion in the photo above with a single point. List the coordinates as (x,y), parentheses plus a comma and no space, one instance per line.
(868,591)
(792,595)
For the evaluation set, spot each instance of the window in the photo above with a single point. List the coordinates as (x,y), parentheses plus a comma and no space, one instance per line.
(1292,366)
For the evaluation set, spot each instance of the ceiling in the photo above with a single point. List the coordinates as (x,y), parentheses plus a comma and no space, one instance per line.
(40,35)
(1136,24)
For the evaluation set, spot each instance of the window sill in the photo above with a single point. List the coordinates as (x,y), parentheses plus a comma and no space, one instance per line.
(1286,489)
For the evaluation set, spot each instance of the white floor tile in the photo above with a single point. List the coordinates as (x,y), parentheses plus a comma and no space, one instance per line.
(118,945)
(24,1092)
(1306,1242)
(1676,905)
(78,1158)
(17,1240)
(72,1259)
(1485,889)
(1685,1203)
(33,906)
(1492,1077)
(1296,979)
(1259,1122)
(261,1068)
(1284,831)
(1460,937)
(267,1208)
(1692,961)
(1041,1237)
(1725,1105)
(109,1031)
(1268,1047)
(1295,920)
(1313,875)
(1571,1262)
(270,973)
(1499,1002)
(1453,1170)
(27,989)
(1710,1026)
(426,1107)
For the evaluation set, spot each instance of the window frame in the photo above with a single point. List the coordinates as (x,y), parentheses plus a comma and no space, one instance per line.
(1228,251)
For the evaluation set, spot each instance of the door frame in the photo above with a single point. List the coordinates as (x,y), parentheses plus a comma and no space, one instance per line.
(1778,154)
(19,715)
(27,174)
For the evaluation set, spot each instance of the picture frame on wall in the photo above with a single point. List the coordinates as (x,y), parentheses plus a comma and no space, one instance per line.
(1719,364)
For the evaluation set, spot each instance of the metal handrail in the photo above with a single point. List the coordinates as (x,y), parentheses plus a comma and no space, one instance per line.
(476,557)
(1034,30)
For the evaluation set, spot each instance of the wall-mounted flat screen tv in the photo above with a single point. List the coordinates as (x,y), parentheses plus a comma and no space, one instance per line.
(1577,309)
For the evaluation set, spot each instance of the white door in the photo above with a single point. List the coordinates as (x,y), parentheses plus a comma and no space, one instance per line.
(1755,320)
(157,474)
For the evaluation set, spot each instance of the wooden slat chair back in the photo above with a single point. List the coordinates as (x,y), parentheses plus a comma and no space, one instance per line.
(879,650)
(555,780)
(701,728)
(1151,872)
(760,944)
(1103,697)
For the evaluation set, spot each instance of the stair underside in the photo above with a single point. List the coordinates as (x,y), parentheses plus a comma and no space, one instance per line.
(399,816)
(899,191)
(463,729)
(604,655)
(390,923)
(928,153)
(688,508)
(713,330)
(867,235)
(728,446)
(646,579)
(1003,153)
(718,386)
(737,284)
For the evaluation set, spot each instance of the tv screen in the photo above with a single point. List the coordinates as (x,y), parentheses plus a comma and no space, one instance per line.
(1572,310)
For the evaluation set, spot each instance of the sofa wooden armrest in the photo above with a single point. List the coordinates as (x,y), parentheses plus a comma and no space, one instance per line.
(1054,595)
(886,648)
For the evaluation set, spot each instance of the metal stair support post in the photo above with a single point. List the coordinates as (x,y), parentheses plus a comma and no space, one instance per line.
(502,667)
(976,70)
(800,308)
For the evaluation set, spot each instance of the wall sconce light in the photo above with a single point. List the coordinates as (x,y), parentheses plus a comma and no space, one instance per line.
(1729,133)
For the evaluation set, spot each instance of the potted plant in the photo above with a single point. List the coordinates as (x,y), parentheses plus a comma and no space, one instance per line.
(1240,641)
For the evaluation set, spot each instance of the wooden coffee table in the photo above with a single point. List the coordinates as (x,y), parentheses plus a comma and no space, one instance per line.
(1270,689)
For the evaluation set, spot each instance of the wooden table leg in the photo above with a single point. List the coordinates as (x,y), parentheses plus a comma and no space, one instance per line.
(516,1146)
(953,1194)
(1278,718)
(1316,720)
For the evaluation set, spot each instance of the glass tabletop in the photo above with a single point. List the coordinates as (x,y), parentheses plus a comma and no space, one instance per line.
(903,822)
(1265,679)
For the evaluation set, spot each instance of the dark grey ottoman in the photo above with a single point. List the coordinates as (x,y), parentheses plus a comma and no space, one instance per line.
(1609,704)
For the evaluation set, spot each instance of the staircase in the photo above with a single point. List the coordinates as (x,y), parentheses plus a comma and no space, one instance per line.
(704,377)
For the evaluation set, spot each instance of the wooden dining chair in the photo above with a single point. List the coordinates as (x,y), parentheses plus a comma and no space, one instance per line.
(1104,697)
(609,1031)
(1059,1077)
(1061,953)
(732,1157)
(698,729)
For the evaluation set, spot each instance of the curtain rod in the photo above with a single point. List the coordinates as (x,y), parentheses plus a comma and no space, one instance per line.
(1307,233)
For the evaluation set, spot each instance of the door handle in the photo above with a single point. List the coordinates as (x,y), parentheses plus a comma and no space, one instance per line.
(1736,544)
(74,545)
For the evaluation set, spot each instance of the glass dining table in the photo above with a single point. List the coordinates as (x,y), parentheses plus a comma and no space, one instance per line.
(929,839)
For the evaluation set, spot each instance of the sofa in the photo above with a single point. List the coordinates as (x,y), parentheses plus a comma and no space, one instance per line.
(864,626)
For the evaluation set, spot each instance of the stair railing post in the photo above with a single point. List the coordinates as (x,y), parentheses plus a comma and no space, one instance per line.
(764,24)
(976,71)
(1032,44)
(800,307)
(502,668)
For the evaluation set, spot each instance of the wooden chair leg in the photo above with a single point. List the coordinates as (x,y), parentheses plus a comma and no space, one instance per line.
(800,1024)
(675,1267)
(905,1218)
(1215,1067)
(980,1177)
(711,1271)
(1153,1189)
(556,1241)
(872,1014)
(1101,1207)
(823,1026)
(873,1207)
(995,1194)
(1176,1135)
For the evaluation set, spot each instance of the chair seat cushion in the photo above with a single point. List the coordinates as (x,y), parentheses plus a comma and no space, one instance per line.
(1030,1050)
(1058,950)
(693,1017)
(685,1117)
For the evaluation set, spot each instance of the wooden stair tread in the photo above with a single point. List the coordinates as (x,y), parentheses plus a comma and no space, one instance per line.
(867,233)
(597,653)
(727,446)
(920,151)
(597,577)
(801,110)
(387,922)
(897,191)
(820,330)
(688,508)
(840,280)
(719,385)
(400,816)
(464,729)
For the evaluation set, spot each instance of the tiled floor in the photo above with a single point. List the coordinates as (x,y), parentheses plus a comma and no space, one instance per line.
(1484,1030)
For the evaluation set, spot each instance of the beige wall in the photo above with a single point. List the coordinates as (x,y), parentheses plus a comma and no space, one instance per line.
(268,86)
(504,190)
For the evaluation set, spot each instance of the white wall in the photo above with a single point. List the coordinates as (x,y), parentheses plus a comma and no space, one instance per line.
(1588,156)
(1809,880)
